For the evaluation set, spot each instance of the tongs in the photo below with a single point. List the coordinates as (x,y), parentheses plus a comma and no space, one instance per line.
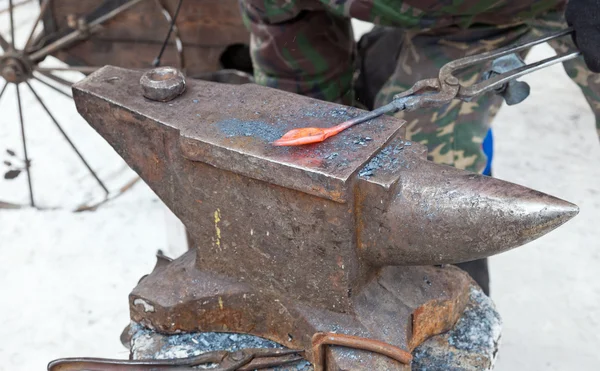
(436,92)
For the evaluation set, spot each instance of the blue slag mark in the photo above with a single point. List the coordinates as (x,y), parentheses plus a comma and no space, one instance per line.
(257,129)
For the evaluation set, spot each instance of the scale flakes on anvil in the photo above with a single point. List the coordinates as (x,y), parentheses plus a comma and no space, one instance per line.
(290,242)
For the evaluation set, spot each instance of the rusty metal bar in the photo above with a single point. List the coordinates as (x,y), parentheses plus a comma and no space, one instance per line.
(242,360)
(82,364)
(270,363)
(321,339)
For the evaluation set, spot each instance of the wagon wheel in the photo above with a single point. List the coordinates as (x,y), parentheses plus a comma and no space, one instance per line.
(20,67)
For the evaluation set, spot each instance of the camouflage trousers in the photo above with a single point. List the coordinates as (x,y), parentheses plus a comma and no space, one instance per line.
(307,47)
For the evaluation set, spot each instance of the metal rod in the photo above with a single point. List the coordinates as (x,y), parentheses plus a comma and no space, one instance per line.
(87,363)
(12,23)
(82,69)
(73,36)
(178,42)
(4,44)
(3,88)
(320,339)
(43,9)
(497,81)
(59,80)
(67,138)
(461,63)
(53,87)
(156,61)
(39,42)
(391,107)
(27,163)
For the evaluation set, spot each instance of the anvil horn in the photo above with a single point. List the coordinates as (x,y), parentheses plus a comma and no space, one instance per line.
(439,214)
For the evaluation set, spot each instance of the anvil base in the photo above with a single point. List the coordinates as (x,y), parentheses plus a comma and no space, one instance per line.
(402,306)
(471,345)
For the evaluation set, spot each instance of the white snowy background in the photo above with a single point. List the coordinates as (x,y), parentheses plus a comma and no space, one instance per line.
(65,276)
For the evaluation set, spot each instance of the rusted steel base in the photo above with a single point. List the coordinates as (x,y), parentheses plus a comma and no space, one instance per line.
(402,306)
(471,345)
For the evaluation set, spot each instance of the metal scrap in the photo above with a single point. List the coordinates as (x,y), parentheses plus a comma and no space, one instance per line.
(242,360)
(321,339)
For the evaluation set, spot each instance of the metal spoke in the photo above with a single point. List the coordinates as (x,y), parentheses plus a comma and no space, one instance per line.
(4,44)
(67,138)
(3,89)
(27,163)
(43,9)
(75,35)
(53,87)
(59,80)
(82,69)
(12,23)
(16,5)
(172,28)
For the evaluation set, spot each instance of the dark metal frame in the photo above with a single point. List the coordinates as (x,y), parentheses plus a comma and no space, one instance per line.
(36,48)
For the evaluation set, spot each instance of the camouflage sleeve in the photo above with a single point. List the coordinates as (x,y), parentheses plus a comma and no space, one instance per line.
(301,47)
(307,46)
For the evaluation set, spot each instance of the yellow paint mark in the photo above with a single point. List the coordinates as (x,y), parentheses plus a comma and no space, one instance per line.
(221,303)
(217,229)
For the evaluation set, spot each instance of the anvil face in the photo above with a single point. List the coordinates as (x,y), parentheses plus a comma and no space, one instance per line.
(231,127)
(310,228)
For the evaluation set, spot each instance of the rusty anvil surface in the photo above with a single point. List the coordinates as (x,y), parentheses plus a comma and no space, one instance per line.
(294,240)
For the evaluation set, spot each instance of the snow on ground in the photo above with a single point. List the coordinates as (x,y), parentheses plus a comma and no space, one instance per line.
(548,291)
(66,276)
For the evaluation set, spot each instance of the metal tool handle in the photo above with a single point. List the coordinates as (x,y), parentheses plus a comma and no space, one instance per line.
(468,93)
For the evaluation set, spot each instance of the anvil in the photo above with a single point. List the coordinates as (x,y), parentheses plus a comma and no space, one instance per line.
(351,235)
